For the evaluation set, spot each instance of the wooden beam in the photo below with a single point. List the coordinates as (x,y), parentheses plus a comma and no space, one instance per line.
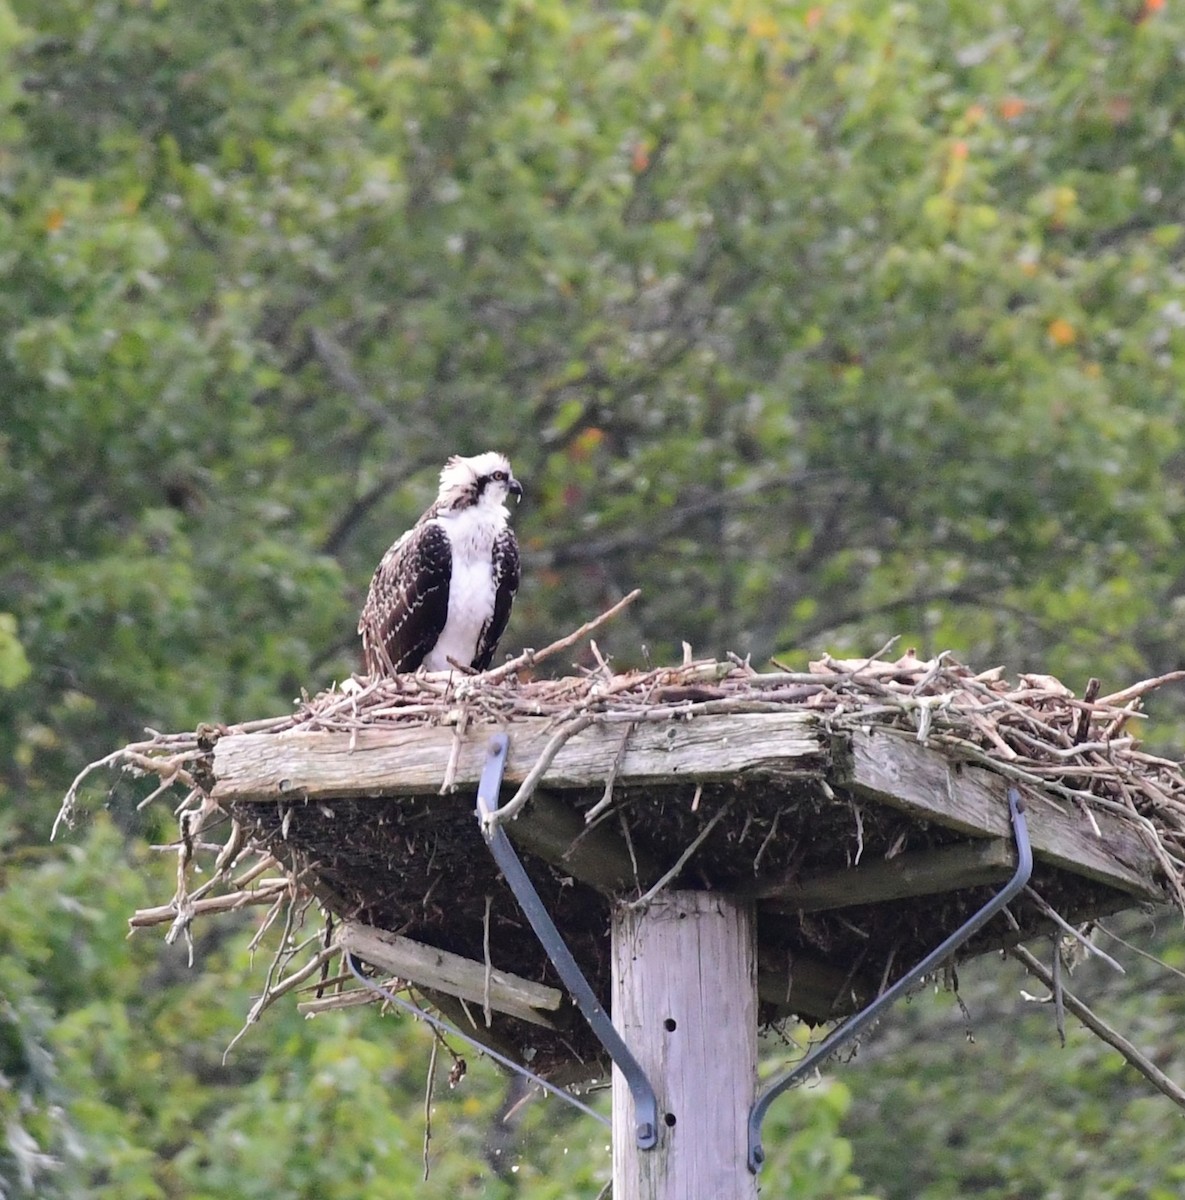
(921,873)
(428,967)
(806,987)
(556,832)
(413,759)
(685,1001)
(895,769)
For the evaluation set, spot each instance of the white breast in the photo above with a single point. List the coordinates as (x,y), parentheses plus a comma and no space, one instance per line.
(471,533)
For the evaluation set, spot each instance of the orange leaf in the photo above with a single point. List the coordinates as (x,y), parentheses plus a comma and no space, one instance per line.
(640,159)
(586,442)
(54,220)
(1061,332)
(1011,107)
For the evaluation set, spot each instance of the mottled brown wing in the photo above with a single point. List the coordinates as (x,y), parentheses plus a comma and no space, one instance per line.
(407,605)
(505,586)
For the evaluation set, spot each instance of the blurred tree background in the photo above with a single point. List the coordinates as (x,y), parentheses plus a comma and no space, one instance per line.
(819,322)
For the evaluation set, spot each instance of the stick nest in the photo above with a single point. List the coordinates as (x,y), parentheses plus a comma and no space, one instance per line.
(418,866)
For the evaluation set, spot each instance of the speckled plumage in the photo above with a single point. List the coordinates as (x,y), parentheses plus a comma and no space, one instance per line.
(444,589)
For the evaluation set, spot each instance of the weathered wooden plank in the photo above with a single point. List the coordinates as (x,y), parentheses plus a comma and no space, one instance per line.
(450,973)
(413,759)
(685,1001)
(897,770)
(881,765)
(922,873)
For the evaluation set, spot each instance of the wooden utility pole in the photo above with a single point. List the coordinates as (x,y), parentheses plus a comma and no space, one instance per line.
(685,1001)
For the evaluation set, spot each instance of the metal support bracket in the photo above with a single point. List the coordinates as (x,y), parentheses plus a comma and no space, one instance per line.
(645,1101)
(851,1027)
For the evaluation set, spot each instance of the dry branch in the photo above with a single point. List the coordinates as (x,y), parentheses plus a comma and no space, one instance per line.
(264,893)
(1102,1030)
(530,658)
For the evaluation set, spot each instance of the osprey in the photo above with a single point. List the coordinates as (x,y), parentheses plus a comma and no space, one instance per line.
(444,589)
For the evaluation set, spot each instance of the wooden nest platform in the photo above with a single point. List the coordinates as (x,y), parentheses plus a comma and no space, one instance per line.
(860,804)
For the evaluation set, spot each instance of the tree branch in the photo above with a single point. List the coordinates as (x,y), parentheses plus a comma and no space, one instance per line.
(1102,1030)
(675,519)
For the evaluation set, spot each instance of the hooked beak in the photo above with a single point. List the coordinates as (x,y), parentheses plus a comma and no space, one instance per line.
(516,490)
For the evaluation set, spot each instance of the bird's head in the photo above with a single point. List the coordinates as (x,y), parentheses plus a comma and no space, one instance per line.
(485,479)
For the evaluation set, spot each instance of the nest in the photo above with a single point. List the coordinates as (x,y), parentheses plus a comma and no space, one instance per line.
(417,865)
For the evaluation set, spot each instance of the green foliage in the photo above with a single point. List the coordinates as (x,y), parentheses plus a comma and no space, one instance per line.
(14,665)
(1009,1113)
(820,323)
(807,1157)
(113,1051)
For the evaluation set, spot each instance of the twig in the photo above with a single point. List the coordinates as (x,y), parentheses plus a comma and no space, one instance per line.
(878,656)
(428,1103)
(485,945)
(932,674)
(454,756)
(607,796)
(683,858)
(1121,720)
(769,837)
(354,998)
(271,993)
(1059,995)
(629,844)
(66,811)
(606,669)
(265,893)
(252,873)
(1101,1029)
(167,781)
(880,991)
(1089,694)
(1136,950)
(530,657)
(1067,928)
(1118,699)
(511,808)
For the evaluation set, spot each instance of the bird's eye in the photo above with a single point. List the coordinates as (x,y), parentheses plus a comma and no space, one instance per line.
(500,476)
